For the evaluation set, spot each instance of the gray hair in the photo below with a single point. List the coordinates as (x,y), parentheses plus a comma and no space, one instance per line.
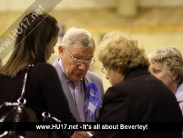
(78,36)
(172,60)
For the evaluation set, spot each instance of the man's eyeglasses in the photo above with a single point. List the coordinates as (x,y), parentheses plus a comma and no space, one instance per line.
(103,70)
(81,61)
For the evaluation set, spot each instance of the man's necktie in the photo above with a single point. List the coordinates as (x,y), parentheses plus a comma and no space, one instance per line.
(79,102)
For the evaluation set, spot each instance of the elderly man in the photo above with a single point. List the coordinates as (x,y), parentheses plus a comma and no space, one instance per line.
(83,89)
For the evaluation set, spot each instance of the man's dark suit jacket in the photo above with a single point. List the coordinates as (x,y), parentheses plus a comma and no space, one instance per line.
(140,97)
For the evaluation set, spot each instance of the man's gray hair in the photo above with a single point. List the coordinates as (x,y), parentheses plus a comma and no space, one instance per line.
(78,36)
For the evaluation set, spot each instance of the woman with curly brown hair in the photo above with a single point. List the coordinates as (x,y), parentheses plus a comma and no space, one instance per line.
(135,94)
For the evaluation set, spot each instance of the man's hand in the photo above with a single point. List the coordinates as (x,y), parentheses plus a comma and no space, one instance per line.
(80,134)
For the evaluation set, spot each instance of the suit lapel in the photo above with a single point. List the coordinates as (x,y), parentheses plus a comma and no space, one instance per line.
(67,92)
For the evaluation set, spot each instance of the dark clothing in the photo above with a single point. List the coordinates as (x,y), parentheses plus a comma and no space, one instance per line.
(140,97)
(43,91)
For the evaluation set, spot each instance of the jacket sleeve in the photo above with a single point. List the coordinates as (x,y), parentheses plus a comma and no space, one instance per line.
(115,108)
(54,96)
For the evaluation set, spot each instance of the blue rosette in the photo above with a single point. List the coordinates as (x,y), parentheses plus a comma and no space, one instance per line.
(93,100)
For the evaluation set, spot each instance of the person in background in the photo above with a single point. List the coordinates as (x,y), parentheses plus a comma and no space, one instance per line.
(76,56)
(135,94)
(166,63)
(34,46)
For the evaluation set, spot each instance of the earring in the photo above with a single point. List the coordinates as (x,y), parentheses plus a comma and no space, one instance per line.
(174,77)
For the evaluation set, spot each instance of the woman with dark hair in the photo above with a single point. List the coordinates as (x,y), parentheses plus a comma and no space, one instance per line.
(36,36)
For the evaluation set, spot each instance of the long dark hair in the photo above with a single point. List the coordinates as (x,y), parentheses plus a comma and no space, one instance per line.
(36,31)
